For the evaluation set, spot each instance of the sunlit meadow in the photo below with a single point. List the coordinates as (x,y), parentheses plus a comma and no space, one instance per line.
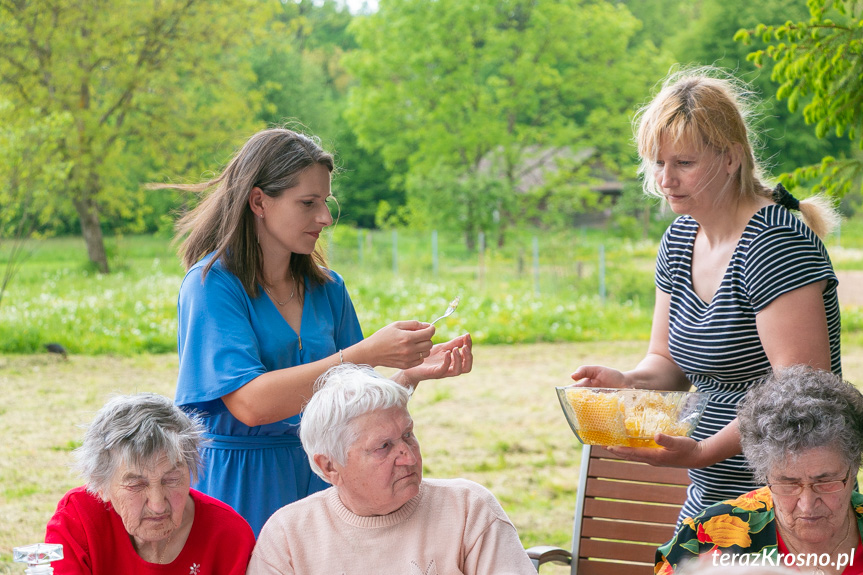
(561,289)
(499,425)
(581,285)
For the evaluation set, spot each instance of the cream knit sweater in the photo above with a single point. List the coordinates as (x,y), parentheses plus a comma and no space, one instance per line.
(452,526)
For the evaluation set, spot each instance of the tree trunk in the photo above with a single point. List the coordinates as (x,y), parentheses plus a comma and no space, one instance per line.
(92,232)
(470,239)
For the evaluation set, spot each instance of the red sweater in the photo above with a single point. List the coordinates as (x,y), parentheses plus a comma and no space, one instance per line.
(95,542)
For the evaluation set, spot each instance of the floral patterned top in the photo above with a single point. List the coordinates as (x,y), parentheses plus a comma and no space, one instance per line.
(746,525)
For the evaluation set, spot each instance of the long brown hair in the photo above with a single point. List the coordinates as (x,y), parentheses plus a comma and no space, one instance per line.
(709,107)
(223,223)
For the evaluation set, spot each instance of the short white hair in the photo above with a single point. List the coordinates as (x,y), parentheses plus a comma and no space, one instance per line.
(342,394)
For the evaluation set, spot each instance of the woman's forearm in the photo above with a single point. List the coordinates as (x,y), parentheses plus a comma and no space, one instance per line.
(658,372)
(278,394)
(720,446)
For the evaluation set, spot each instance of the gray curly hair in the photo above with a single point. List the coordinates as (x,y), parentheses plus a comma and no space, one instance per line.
(796,409)
(135,430)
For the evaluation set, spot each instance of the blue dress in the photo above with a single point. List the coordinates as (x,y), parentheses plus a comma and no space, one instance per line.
(225,340)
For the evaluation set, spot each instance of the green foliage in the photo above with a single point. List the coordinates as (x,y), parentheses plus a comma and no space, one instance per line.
(362,182)
(297,62)
(31,164)
(662,19)
(819,64)
(143,84)
(786,142)
(291,69)
(636,215)
(471,90)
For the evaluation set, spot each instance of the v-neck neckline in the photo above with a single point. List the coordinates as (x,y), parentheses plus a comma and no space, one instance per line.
(690,284)
(305,297)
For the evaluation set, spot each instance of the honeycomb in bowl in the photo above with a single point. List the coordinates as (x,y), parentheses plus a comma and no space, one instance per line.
(629,417)
(599,416)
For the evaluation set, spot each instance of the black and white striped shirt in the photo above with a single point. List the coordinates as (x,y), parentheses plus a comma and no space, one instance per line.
(717,343)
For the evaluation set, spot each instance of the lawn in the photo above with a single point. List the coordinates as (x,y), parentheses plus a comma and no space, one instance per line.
(506,295)
(538,307)
(575,286)
(500,425)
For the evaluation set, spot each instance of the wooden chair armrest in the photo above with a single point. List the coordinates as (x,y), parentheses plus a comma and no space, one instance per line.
(541,554)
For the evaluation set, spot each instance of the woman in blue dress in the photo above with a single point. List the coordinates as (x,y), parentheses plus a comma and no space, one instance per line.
(743,286)
(261,317)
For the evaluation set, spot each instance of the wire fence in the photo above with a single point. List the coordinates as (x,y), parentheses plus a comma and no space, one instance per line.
(582,262)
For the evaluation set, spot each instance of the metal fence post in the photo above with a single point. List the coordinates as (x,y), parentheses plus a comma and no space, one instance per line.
(434,253)
(602,272)
(535,266)
(395,252)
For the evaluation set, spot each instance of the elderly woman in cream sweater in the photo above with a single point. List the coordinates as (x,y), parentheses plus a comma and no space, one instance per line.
(380,515)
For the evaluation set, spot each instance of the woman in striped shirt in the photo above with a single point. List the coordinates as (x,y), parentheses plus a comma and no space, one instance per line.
(743,285)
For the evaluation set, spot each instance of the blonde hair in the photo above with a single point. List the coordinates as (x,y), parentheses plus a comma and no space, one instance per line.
(223,223)
(712,109)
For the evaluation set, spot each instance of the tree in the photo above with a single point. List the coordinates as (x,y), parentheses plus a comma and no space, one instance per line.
(453,95)
(146,84)
(299,72)
(787,143)
(662,19)
(29,166)
(819,64)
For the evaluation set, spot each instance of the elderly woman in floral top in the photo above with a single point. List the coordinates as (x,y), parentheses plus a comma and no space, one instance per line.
(802,433)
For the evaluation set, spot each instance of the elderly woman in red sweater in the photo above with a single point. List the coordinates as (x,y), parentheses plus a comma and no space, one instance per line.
(380,515)
(137,512)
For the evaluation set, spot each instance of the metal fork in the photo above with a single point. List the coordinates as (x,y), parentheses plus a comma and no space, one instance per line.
(449,310)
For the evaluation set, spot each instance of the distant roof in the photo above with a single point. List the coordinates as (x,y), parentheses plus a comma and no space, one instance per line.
(538,162)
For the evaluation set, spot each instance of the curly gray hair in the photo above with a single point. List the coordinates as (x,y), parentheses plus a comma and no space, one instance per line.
(135,430)
(799,408)
(342,394)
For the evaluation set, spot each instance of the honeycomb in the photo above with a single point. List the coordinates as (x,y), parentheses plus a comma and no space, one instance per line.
(599,416)
(630,418)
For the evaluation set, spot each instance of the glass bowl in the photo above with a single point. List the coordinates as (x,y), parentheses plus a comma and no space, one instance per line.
(629,417)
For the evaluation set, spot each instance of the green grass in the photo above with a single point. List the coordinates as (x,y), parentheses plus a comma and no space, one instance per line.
(499,425)
(57,296)
(507,296)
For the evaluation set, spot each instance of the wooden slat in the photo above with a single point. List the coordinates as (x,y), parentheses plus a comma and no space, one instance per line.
(606,568)
(627,531)
(597,452)
(617,550)
(630,511)
(621,469)
(671,494)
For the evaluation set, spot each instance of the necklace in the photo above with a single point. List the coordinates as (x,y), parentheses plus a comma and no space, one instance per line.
(818,570)
(293,288)
(162,552)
